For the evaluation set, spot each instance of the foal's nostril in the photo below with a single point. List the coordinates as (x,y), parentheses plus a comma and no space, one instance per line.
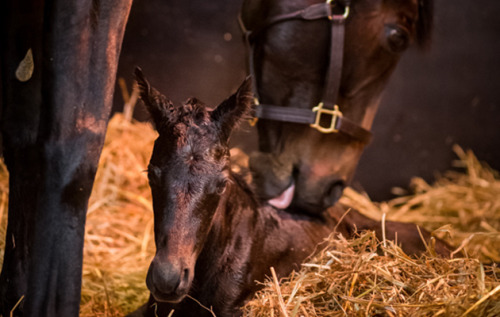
(164,277)
(169,281)
(184,279)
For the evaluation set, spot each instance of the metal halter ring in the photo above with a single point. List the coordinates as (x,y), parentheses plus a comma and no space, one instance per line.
(344,16)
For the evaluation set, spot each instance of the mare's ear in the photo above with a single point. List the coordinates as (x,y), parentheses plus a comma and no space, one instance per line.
(234,109)
(425,23)
(159,107)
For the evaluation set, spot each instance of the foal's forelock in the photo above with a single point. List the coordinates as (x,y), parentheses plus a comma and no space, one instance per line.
(192,118)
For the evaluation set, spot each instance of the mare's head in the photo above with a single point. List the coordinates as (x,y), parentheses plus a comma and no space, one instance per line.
(188,172)
(290,63)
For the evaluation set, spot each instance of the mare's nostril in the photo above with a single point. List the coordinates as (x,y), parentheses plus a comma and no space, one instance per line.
(333,194)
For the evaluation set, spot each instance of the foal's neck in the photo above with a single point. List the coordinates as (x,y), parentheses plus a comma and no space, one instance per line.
(236,213)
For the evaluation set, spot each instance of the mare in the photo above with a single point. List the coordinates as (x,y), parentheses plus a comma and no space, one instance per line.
(213,237)
(307,52)
(58,69)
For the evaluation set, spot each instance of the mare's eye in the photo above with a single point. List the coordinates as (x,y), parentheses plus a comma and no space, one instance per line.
(154,174)
(397,38)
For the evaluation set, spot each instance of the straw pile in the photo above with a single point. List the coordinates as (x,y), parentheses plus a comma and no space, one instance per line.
(347,278)
(464,205)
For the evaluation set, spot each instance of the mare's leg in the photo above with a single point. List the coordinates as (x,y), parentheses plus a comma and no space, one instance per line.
(53,127)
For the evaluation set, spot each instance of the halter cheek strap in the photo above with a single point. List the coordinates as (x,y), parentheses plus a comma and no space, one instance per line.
(327,109)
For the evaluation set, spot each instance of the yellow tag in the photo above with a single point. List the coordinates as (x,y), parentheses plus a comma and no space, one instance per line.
(25,69)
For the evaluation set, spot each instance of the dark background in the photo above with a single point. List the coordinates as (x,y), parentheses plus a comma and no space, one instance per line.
(447,95)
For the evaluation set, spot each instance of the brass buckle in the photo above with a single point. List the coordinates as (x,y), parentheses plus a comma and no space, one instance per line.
(254,120)
(335,113)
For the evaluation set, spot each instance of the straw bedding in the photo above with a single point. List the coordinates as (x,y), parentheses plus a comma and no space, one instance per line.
(347,278)
(350,278)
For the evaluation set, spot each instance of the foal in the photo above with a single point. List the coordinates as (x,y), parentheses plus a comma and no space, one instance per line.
(213,239)
(210,232)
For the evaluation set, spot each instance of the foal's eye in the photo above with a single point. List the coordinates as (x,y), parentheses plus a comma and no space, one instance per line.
(397,38)
(221,186)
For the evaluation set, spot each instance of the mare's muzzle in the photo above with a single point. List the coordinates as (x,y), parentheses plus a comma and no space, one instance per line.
(313,194)
(169,280)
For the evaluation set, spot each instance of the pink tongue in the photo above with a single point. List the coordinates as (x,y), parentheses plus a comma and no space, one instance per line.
(283,200)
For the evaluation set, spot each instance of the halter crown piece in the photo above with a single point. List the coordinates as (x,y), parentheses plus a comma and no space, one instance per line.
(328,107)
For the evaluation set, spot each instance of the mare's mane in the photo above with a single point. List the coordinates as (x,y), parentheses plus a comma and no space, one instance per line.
(425,23)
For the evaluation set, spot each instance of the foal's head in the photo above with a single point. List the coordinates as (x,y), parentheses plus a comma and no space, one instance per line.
(188,172)
(291,60)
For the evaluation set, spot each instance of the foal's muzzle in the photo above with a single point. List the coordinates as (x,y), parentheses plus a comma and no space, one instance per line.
(169,281)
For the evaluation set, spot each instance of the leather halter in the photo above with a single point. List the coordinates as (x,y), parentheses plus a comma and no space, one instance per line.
(328,107)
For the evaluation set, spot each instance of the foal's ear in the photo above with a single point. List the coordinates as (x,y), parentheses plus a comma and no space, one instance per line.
(159,107)
(234,109)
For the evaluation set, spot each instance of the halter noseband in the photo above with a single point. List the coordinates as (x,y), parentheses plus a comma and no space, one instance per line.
(328,105)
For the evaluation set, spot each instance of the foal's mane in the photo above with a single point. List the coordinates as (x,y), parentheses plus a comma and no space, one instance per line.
(192,114)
